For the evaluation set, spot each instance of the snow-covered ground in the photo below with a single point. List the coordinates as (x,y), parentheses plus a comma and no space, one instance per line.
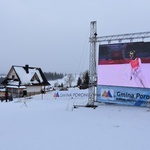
(47,123)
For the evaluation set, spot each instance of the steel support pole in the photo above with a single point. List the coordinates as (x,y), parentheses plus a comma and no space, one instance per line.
(92,64)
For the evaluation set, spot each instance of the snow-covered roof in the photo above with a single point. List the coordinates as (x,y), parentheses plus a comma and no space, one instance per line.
(16,87)
(14,83)
(25,77)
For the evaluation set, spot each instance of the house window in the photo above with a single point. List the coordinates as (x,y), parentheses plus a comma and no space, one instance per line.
(13,77)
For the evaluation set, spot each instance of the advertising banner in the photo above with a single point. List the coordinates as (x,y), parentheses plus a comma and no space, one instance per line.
(82,94)
(124,95)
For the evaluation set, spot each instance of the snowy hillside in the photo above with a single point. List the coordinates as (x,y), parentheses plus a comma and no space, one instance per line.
(48,123)
(62,81)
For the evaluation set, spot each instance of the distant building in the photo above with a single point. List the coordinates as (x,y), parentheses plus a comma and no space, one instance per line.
(25,81)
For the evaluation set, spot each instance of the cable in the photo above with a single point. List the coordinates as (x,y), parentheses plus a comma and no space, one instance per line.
(84,54)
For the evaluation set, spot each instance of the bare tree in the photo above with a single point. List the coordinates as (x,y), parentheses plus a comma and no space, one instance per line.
(56,84)
(69,79)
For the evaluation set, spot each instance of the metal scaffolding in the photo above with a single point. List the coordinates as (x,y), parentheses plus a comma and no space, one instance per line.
(92,64)
(92,58)
(120,37)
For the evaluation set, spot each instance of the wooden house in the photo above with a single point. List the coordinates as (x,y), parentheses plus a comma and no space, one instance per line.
(25,81)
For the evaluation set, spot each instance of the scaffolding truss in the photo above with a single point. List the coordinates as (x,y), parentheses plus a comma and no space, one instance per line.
(92,58)
(120,37)
(92,64)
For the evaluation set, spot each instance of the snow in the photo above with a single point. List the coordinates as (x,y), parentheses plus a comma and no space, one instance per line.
(47,123)
(26,78)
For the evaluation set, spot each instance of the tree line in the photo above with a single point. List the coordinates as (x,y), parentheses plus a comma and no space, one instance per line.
(53,75)
(82,81)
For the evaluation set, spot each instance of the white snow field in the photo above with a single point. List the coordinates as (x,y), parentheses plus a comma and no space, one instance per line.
(47,123)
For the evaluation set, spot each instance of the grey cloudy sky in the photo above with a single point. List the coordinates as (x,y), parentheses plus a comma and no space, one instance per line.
(54,34)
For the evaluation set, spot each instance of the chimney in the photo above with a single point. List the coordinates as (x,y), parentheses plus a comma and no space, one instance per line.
(27,68)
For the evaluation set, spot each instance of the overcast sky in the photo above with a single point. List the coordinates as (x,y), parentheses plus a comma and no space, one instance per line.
(54,34)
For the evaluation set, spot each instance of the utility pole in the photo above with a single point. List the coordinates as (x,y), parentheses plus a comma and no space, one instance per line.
(92,65)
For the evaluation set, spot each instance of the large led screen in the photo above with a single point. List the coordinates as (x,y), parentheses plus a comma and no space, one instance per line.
(124,64)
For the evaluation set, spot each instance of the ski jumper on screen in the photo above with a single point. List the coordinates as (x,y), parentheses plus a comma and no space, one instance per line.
(136,72)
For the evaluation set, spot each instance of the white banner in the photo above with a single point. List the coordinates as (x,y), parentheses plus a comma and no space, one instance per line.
(71,94)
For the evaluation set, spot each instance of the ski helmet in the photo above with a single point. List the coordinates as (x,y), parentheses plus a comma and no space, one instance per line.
(132,54)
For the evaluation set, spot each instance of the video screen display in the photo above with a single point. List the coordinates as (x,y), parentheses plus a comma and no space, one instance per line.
(124,64)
